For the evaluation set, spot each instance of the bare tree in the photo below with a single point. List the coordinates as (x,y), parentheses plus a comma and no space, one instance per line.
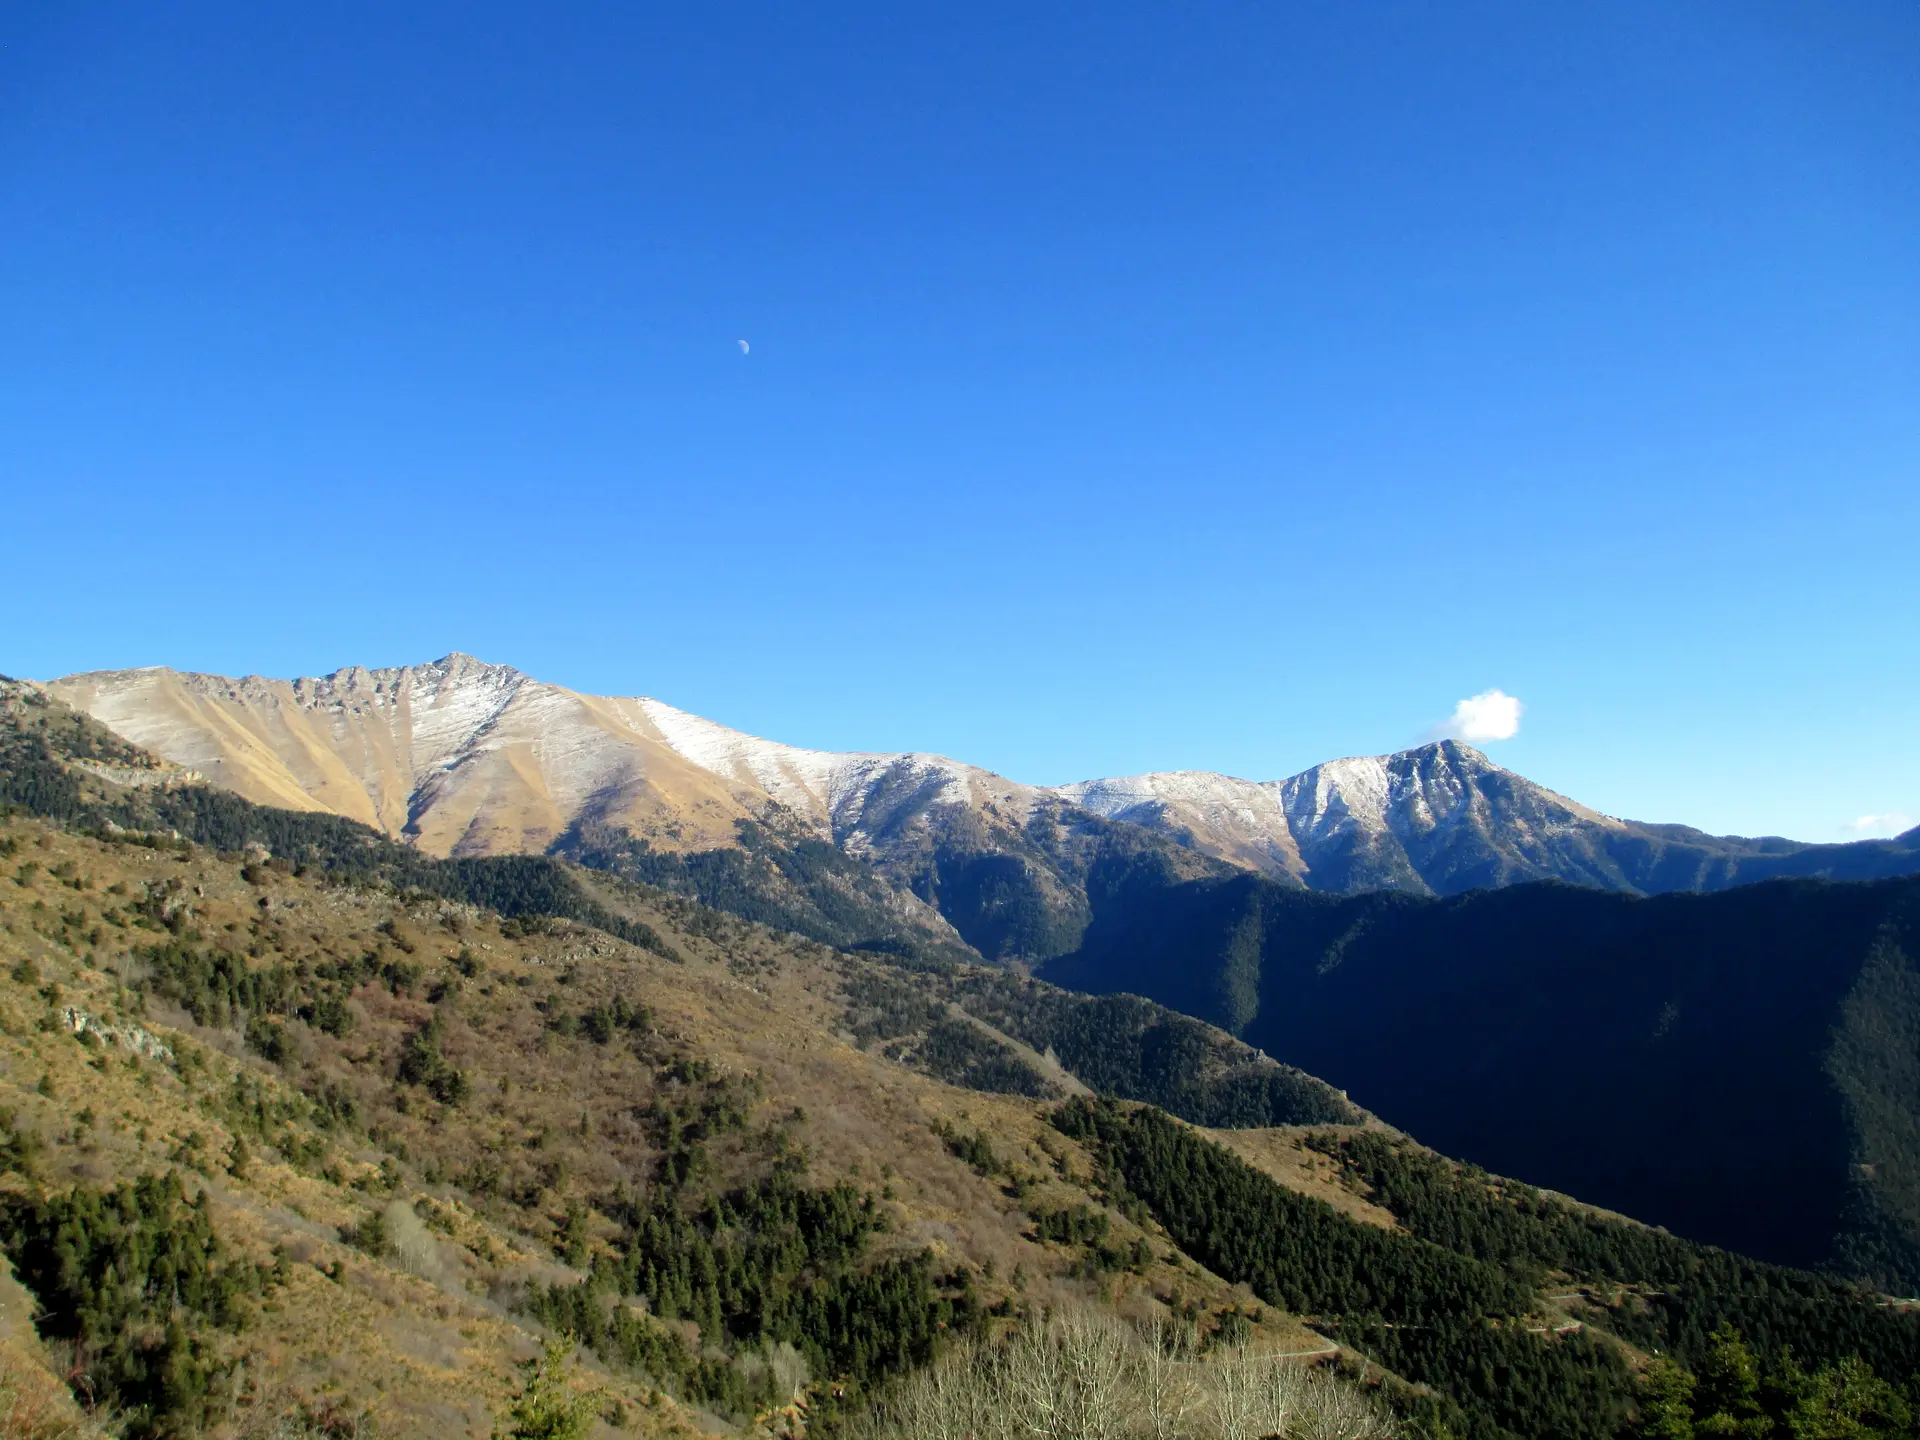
(1334,1409)
(1087,1377)
(1234,1406)
(1164,1372)
(1283,1389)
(1099,1357)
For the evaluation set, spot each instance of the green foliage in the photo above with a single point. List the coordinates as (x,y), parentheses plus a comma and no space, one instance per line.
(138,1281)
(1450,1302)
(1735,1393)
(1667,1294)
(268,1040)
(1004,905)
(1125,1046)
(215,986)
(897,1009)
(974,1148)
(1118,1045)
(547,1408)
(369,1233)
(962,1054)
(766,1263)
(601,1023)
(1071,1225)
(763,1263)
(422,1064)
(1433,1316)
(328,1013)
(20,1149)
(885,1004)
(780,875)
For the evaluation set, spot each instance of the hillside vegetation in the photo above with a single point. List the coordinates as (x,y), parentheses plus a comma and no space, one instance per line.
(422,1131)
(360,1106)
(310,1142)
(1520,1313)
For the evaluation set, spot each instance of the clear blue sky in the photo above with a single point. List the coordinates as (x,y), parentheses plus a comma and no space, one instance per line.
(1130,387)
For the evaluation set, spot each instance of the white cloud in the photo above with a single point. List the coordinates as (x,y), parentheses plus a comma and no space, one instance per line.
(1490,715)
(1892,822)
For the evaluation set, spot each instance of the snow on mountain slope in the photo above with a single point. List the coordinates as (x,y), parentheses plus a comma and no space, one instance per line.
(1243,821)
(463,757)
(1415,820)
(830,789)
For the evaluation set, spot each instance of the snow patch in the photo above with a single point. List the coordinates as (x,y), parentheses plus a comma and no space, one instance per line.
(827,786)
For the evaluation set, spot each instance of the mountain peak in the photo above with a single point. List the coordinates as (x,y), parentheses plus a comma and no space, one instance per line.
(454,665)
(462,755)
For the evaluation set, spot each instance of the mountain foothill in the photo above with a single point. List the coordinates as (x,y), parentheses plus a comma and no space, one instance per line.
(441,1011)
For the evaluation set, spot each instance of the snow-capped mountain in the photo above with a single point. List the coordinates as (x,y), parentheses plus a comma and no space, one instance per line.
(460,757)
(463,757)
(1441,818)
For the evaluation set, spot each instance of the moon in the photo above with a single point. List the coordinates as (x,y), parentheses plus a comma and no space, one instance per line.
(743,347)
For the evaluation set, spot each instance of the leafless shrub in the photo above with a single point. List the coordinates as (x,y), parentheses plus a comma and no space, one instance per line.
(1089,1377)
(1335,1410)
(416,1251)
(782,1364)
(1169,1389)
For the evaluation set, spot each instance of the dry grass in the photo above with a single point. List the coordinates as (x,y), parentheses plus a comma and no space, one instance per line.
(424,1339)
(1281,1152)
(34,1404)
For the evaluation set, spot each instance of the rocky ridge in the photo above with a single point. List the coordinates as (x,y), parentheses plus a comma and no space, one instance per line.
(464,758)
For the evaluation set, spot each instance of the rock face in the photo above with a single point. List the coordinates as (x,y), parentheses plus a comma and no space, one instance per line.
(460,757)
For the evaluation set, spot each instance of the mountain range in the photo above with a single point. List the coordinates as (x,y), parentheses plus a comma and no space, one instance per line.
(396,1110)
(462,758)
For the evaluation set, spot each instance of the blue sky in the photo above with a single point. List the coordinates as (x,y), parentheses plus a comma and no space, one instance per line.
(1227,386)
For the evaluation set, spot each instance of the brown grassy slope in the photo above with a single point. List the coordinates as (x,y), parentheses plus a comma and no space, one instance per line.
(1282,1153)
(370,745)
(551,1127)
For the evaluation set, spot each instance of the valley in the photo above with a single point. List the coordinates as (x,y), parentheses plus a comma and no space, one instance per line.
(1737,1066)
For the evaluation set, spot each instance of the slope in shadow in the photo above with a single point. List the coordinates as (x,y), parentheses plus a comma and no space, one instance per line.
(1742,1067)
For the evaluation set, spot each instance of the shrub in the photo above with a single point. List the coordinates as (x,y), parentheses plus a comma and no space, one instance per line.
(422,1064)
(1095,1378)
(547,1408)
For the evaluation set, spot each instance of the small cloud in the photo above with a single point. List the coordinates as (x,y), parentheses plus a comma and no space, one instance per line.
(1490,715)
(1892,822)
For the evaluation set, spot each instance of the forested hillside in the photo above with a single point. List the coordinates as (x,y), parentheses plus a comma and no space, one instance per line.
(299,1141)
(1521,1313)
(1739,1067)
